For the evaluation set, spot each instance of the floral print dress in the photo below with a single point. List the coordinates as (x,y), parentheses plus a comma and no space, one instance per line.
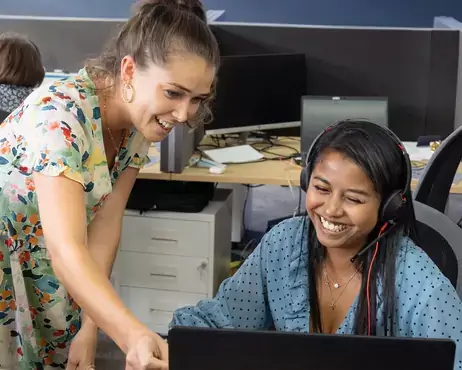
(57,130)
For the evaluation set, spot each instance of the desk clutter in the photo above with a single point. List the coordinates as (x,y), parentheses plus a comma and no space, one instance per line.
(280,164)
(235,154)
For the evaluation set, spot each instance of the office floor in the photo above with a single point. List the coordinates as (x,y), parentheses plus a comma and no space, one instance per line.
(266,203)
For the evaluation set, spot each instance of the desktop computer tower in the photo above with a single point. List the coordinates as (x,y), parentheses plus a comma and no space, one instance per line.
(178,147)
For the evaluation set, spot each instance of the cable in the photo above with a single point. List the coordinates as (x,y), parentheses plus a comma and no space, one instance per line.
(299,208)
(248,186)
(244,208)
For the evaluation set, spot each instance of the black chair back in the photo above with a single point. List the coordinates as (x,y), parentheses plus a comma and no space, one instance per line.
(435,183)
(440,238)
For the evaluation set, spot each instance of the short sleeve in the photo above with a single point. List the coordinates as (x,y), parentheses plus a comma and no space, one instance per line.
(56,137)
(137,150)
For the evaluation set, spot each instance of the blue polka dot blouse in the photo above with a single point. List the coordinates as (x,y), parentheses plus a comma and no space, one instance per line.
(271,289)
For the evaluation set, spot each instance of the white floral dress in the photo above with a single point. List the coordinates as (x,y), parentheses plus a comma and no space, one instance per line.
(57,130)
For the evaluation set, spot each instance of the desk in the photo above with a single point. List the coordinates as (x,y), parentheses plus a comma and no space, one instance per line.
(279,172)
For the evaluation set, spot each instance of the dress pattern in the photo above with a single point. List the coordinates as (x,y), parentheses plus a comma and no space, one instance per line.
(56,131)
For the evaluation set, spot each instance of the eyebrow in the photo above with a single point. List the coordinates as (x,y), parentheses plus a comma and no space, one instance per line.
(186,89)
(356,191)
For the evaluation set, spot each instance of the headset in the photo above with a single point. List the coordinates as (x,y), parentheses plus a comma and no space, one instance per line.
(392,208)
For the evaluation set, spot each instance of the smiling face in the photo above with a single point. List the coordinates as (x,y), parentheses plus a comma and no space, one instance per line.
(341,202)
(169,95)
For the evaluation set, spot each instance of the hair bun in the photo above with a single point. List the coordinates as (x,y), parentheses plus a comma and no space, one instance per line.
(193,6)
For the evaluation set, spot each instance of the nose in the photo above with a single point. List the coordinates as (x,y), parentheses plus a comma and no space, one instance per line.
(181,112)
(334,207)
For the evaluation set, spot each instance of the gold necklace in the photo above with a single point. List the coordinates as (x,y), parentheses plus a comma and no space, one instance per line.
(328,281)
(117,148)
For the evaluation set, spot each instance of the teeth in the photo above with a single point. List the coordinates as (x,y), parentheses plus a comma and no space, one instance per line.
(164,124)
(331,226)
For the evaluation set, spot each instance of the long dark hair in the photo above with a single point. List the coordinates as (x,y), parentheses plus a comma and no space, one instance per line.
(377,154)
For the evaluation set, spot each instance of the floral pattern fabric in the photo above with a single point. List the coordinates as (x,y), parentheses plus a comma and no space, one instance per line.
(56,131)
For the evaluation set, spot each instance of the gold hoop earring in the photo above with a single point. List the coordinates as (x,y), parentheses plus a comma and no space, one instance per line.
(128,92)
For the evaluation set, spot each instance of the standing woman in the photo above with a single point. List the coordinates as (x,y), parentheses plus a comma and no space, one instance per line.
(69,158)
(21,71)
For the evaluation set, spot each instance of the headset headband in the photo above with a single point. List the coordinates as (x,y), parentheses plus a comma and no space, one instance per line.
(391,134)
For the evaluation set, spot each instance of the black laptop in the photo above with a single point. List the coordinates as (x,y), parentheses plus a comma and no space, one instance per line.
(225,349)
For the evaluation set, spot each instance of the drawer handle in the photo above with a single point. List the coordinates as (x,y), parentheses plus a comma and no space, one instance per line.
(157,310)
(162,275)
(163,240)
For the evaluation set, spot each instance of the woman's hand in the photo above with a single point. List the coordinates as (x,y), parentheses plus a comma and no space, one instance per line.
(82,351)
(147,350)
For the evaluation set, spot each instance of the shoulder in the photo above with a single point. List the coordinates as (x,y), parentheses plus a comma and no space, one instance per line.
(417,276)
(284,244)
(74,95)
(69,104)
(427,304)
(415,267)
(289,232)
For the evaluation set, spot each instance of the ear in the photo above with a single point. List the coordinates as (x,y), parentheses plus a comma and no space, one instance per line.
(127,68)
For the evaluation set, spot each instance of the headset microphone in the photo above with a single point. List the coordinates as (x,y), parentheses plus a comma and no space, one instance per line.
(373,243)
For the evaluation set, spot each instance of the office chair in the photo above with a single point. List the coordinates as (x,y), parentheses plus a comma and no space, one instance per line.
(3,115)
(435,183)
(441,239)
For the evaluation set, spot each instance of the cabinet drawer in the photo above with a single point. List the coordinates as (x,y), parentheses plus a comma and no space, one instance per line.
(158,271)
(155,308)
(165,236)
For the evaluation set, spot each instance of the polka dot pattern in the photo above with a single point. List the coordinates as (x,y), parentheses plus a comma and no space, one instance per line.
(271,290)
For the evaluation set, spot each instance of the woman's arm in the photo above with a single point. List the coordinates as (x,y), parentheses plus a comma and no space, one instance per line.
(104,231)
(63,217)
(241,300)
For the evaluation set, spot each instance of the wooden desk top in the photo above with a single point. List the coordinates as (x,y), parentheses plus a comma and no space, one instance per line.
(271,172)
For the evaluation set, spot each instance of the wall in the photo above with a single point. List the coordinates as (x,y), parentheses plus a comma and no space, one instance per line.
(407,13)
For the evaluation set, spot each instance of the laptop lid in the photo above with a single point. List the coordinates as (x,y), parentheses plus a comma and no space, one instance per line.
(225,349)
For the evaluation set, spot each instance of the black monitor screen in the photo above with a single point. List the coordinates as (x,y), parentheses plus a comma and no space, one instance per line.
(258,89)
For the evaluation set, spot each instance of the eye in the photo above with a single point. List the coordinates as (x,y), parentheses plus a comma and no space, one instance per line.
(321,189)
(353,200)
(171,94)
(197,100)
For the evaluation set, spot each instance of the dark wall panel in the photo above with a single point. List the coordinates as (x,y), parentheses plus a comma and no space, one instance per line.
(406,66)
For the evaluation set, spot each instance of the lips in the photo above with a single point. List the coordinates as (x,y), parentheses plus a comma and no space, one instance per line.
(332,227)
(167,126)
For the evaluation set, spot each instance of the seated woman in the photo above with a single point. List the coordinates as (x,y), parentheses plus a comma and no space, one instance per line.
(330,272)
(21,70)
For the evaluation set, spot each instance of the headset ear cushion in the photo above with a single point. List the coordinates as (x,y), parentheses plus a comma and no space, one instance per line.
(304,179)
(391,209)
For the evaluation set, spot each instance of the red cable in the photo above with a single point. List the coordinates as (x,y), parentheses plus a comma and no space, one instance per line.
(368,285)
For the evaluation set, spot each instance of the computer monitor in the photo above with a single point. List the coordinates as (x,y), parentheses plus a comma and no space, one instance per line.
(258,92)
(231,349)
(319,112)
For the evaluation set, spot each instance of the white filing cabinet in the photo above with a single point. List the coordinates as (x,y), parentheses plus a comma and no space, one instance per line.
(167,260)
